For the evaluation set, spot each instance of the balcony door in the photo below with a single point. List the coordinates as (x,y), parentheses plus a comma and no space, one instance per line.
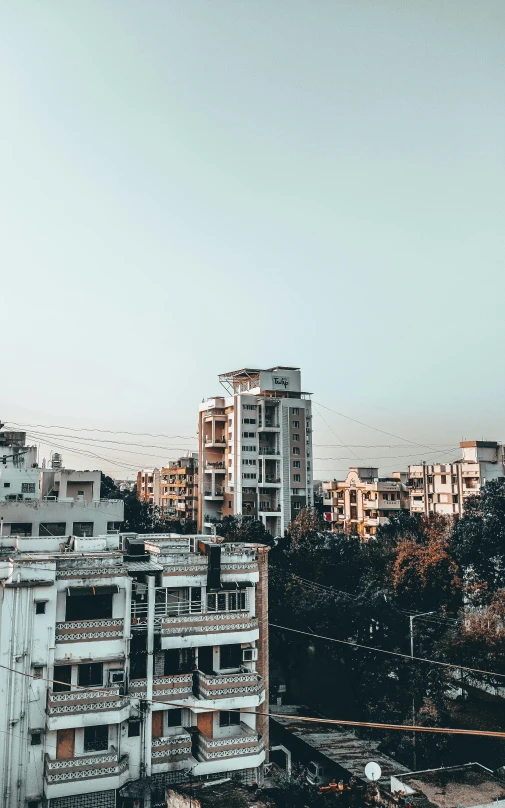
(65,744)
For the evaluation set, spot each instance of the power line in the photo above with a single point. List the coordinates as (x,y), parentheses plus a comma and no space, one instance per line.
(333,721)
(384,651)
(108,431)
(369,426)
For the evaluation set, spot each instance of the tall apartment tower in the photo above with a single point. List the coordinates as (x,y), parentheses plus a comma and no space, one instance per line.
(255,449)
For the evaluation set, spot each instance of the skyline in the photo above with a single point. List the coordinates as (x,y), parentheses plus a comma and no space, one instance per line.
(191,188)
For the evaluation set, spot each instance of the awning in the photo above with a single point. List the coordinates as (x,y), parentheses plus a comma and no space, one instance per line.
(235,585)
(92,590)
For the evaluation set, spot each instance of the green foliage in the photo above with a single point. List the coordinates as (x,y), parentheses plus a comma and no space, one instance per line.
(243,529)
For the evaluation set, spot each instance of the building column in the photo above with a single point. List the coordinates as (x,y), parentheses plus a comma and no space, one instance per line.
(262,663)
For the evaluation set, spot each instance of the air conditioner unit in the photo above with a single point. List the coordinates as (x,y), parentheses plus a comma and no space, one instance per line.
(117,677)
(249,654)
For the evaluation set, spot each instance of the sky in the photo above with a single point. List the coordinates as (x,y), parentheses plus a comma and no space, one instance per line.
(187,188)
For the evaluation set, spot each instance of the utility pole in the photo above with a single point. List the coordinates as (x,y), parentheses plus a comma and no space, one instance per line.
(411,620)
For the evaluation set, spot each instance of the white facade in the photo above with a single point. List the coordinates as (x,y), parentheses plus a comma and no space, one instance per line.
(121,660)
(60,502)
(442,488)
(256,449)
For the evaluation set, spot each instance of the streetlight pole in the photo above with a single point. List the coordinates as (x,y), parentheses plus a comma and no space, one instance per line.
(411,620)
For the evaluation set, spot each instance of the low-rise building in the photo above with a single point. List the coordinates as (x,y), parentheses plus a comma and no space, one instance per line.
(179,489)
(363,501)
(52,501)
(127,664)
(148,486)
(443,487)
(468,786)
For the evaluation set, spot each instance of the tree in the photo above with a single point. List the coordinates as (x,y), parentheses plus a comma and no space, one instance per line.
(108,488)
(478,540)
(426,577)
(243,529)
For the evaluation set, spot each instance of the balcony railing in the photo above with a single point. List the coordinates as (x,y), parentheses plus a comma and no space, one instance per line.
(179,685)
(263,508)
(208,623)
(229,686)
(170,748)
(267,450)
(209,441)
(85,701)
(242,742)
(86,630)
(103,764)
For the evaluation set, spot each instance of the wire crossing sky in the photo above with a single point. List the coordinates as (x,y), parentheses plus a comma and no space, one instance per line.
(192,187)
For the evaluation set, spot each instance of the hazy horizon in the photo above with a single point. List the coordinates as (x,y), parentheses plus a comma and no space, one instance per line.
(192,188)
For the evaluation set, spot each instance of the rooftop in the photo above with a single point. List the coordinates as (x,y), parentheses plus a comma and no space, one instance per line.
(456,787)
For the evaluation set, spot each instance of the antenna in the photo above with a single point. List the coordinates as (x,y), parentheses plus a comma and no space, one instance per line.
(373,771)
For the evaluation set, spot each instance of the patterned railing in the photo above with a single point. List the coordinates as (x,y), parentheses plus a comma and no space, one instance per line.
(85,701)
(179,685)
(245,743)
(79,630)
(228,686)
(171,748)
(104,764)
(210,623)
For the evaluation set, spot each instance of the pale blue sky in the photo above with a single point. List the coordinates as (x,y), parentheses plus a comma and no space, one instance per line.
(189,187)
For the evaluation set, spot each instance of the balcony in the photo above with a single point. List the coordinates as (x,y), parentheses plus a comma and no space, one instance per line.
(219,468)
(216,494)
(67,777)
(178,686)
(89,630)
(209,628)
(239,741)
(219,443)
(269,451)
(230,686)
(79,708)
(265,508)
(170,750)
(219,415)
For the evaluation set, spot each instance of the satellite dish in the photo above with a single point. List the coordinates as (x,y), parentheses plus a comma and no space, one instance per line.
(373,771)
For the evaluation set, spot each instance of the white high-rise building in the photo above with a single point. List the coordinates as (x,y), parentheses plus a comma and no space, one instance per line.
(255,454)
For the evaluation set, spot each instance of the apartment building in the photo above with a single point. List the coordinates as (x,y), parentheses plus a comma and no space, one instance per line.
(255,449)
(50,501)
(363,501)
(179,489)
(128,664)
(443,487)
(148,486)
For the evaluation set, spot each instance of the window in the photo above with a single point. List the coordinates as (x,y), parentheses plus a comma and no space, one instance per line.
(230,504)
(296,424)
(385,497)
(38,671)
(174,718)
(96,739)
(83,529)
(454,479)
(296,464)
(295,410)
(230,656)
(88,607)
(226,601)
(28,488)
(296,450)
(40,607)
(90,674)
(297,506)
(36,739)
(249,461)
(250,406)
(133,729)
(248,434)
(295,491)
(248,420)
(80,493)
(33,804)
(229,719)
(417,499)
(296,478)
(430,478)
(249,449)
(7,485)
(296,437)
(443,479)
(352,495)
(455,499)
(247,476)
(52,528)
(63,677)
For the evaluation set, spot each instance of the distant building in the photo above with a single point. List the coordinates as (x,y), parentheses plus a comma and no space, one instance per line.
(443,487)
(255,449)
(148,486)
(467,786)
(52,501)
(363,501)
(179,489)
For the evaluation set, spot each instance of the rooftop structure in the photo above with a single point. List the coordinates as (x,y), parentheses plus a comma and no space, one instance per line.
(468,786)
